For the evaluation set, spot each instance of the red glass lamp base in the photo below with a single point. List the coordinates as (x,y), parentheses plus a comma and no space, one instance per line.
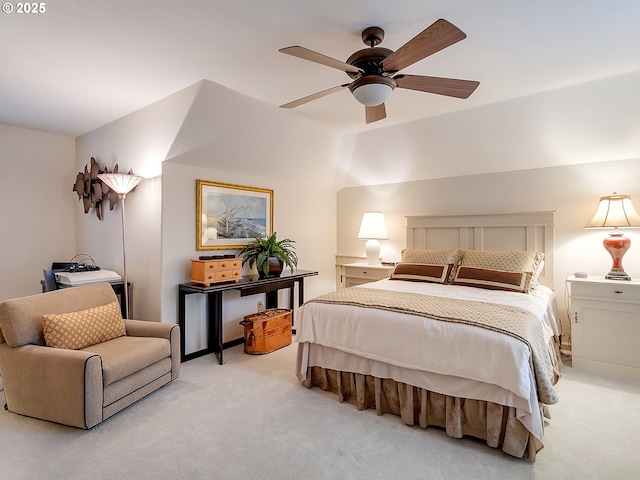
(617,245)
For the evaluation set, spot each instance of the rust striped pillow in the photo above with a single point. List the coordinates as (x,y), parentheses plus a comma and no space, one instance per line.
(446,257)
(421,272)
(492,279)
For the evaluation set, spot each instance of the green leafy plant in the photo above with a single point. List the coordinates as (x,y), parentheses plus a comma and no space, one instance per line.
(260,250)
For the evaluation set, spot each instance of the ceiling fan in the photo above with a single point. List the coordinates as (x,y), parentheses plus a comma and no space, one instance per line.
(374,69)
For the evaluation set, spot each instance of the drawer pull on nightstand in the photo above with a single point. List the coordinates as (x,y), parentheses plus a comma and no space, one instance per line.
(618,291)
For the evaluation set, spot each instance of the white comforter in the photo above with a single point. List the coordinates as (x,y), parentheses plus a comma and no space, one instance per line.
(450,351)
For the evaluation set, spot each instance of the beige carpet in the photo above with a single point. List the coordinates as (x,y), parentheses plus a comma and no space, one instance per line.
(251,419)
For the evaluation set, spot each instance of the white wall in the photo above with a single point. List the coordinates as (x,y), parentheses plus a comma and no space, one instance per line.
(37,173)
(231,132)
(592,122)
(572,191)
(233,139)
(138,142)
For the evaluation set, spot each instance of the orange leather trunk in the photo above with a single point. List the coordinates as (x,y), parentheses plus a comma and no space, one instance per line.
(267,331)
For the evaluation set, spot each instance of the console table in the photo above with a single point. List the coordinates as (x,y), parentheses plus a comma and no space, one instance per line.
(248,285)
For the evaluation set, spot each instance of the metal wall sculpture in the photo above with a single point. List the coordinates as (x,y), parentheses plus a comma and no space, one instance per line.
(92,191)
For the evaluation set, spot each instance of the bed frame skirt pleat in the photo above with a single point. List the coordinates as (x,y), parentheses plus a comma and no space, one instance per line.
(494,423)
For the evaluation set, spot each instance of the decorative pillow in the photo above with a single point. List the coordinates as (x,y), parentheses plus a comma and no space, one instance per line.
(449,257)
(76,330)
(505,261)
(538,271)
(492,279)
(421,272)
(508,260)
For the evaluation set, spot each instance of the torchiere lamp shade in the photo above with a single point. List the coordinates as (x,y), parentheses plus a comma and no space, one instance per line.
(615,211)
(121,183)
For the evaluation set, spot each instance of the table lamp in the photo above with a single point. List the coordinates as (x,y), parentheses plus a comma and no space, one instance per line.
(372,229)
(615,211)
(122,183)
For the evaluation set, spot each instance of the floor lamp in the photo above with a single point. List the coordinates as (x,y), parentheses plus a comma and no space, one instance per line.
(122,183)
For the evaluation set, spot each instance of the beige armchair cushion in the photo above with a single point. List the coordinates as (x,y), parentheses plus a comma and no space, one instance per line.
(126,355)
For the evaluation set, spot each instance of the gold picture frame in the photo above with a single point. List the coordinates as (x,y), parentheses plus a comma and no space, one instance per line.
(230,216)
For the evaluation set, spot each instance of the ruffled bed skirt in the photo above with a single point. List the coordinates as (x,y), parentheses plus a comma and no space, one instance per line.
(496,424)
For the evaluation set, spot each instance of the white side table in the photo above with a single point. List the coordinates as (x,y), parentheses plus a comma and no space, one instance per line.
(359,273)
(605,325)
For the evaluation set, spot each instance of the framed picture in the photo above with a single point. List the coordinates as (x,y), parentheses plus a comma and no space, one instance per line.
(230,216)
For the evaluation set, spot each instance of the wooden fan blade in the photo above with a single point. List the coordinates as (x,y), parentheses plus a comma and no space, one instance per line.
(312,56)
(323,93)
(441,34)
(373,114)
(441,86)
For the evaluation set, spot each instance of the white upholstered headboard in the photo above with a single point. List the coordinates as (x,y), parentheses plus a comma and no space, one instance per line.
(532,231)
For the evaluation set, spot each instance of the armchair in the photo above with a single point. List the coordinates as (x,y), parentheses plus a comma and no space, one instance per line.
(84,386)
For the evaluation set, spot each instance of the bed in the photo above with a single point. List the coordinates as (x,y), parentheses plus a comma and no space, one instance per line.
(463,336)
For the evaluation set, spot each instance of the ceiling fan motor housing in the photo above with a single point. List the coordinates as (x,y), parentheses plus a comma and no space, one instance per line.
(379,82)
(369,60)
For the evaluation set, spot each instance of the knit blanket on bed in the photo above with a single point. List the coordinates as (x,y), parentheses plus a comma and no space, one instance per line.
(509,320)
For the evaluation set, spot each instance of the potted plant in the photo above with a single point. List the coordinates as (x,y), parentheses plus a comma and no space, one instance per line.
(269,255)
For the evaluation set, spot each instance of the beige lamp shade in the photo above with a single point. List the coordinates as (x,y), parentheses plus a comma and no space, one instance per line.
(615,211)
(373,226)
(372,229)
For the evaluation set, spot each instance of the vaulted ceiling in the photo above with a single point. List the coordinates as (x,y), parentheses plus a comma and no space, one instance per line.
(81,64)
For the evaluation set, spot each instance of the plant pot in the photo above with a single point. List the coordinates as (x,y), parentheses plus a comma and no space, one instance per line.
(275,268)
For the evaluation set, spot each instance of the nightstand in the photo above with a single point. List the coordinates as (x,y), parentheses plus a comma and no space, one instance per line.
(359,273)
(605,325)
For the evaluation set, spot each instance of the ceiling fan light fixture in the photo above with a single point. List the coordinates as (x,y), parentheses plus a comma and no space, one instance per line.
(372,90)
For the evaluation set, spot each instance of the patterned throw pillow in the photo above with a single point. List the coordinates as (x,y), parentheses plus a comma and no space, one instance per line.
(448,257)
(518,261)
(507,260)
(421,272)
(76,330)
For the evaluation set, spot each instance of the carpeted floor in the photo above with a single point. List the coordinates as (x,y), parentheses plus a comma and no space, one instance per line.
(250,418)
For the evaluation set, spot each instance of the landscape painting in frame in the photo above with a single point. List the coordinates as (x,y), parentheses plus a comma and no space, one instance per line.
(230,216)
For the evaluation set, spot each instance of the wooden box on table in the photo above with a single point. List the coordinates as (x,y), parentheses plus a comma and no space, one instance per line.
(207,272)
(267,331)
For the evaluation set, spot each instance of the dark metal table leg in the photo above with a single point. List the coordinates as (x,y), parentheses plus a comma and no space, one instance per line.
(214,312)
(181,322)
